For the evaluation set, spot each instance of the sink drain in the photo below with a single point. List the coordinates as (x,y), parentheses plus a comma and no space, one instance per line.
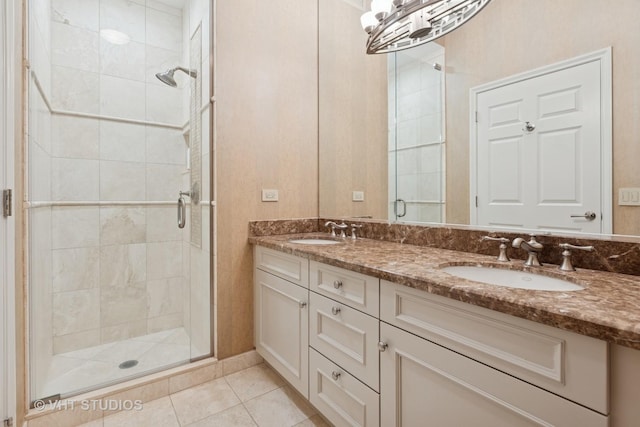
(128,364)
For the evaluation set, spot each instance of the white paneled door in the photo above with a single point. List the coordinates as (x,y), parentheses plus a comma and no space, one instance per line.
(539,152)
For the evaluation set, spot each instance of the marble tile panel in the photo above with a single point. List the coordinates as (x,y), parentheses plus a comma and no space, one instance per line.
(166,146)
(164,182)
(75,90)
(89,351)
(158,60)
(41,18)
(75,269)
(164,7)
(164,103)
(75,48)
(164,260)
(75,137)
(164,30)
(77,341)
(123,331)
(156,337)
(162,323)
(125,16)
(158,413)
(122,141)
(123,60)
(254,382)
(39,174)
(75,227)
(161,224)
(83,14)
(236,417)
(76,311)
(164,296)
(122,304)
(122,181)
(74,179)
(123,265)
(279,408)
(202,401)
(122,225)
(122,98)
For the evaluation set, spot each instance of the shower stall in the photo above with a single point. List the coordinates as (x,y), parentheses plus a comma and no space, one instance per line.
(117,288)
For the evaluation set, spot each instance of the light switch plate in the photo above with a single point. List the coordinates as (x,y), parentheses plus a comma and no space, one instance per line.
(629,197)
(269,195)
(358,196)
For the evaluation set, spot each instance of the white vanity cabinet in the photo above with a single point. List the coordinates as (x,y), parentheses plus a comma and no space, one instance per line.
(281,316)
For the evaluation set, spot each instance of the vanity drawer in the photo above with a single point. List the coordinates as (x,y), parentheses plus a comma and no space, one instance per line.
(353,289)
(563,362)
(346,336)
(286,266)
(340,397)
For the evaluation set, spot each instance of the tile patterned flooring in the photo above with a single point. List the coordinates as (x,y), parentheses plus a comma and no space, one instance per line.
(256,396)
(91,367)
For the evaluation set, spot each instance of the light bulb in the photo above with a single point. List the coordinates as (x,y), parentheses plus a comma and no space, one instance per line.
(368,21)
(381,8)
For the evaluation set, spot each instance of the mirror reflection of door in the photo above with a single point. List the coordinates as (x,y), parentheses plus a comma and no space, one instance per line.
(539,151)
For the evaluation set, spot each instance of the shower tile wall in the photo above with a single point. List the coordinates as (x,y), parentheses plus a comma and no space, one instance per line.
(116,271)
(416,138)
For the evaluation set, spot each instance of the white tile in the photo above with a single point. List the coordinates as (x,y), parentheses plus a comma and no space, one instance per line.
(74,179)
(163,104)
(40,60)
(164,182)
(75,90)
(41,19)
(123,350)
(76,311)
(123,265)
(202,401)
(39,174)
(75,269)
(123,303)
(122,181)
(125,16)
(164,30)
(89,374)
(75,137)
(156,337)
(164,260)
(123,331)
(76,341)
(164,7)
(88,353)
(83,14)
(161,224)
(168,321)
(122,225)
(166,146)
(163,355)
(122,141)
(159,60)
(74,47)
(122,98)
(157,413)
(164,296)
(126,60)
(75,227)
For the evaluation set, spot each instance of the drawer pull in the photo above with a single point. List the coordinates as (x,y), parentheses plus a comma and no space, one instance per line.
(335,375)
(382,346)
(335,310)
(337,284)
(302,304)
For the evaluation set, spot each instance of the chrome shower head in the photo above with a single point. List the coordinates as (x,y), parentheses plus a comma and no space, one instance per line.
(166,77)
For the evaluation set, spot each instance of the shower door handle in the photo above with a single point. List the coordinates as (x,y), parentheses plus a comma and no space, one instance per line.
(404,208)
(182,212)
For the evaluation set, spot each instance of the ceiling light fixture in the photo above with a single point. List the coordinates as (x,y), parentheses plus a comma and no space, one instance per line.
(395,25)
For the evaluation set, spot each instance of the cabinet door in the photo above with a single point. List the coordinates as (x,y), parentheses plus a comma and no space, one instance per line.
(424,384)
(281,328)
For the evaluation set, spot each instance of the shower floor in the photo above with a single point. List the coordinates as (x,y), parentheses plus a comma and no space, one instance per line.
(89,368)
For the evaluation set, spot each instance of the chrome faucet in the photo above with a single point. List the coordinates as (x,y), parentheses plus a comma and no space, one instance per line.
(335,227)
(533,248)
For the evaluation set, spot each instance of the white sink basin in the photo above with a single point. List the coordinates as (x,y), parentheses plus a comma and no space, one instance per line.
(314,241)
(511,278)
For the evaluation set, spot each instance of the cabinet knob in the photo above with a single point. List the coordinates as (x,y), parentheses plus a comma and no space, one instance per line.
(382,346)
(335,310)
(337,284)
(335,375)
(302,304)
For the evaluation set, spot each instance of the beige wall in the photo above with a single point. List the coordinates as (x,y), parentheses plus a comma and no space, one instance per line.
(353,116)
(502,41)
(267,137)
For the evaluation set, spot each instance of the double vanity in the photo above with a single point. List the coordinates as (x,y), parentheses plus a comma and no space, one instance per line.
(379,333)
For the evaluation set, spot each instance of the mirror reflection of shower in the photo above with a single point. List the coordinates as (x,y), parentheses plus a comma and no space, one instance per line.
(167,78)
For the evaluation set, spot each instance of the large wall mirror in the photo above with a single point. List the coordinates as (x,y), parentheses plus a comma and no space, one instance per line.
(396,130)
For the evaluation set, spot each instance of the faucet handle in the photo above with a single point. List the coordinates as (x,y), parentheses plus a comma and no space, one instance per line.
(354,227)
(333,226)
(567,265)
(502,256)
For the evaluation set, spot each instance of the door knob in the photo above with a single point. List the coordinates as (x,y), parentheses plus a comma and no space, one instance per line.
(337,284)
(335,375)
(529,127)
(589,216)
(335,310)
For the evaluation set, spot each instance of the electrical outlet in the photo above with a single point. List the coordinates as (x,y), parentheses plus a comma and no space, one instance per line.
(358,196)
(269,195)
(629,197)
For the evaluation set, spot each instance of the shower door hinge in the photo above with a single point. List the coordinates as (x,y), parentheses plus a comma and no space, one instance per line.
(8,422)
(7,196)
(476,201)
(476,117)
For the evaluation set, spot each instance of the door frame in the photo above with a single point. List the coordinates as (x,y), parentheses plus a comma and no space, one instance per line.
(9,14)
(604,58)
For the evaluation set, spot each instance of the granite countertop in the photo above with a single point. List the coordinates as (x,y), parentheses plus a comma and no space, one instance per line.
(608,308)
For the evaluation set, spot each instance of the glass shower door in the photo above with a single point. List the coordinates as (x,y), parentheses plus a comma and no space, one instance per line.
(116,288)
